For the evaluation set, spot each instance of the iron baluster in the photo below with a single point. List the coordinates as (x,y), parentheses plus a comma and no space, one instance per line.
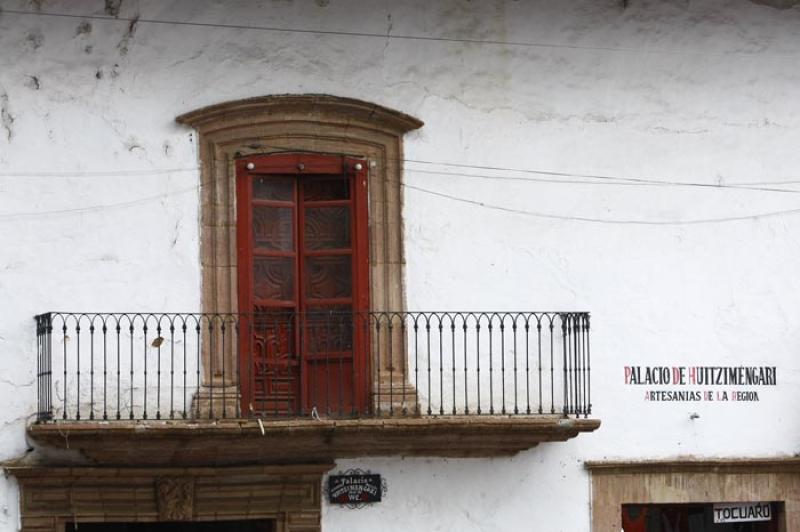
(441,366)
(566,358)
(539,357)
(118,329)
(466,375)
(552,368)
(157,342)
(428,342)
(453,355)
(78,366)
(514,336)
(342,349)
(197,329)
(403,335)
(91,369)
(378,366)
(238,400)
(491,366)
(144,357)
(221,322)
(171,369)
(478,358)
(105,371)
(183,336)
(588,369)
(527,365)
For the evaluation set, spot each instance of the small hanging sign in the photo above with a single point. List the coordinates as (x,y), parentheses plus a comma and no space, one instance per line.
(742,512)
(355,487)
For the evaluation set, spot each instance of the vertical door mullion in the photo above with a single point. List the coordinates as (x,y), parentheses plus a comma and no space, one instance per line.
(300,310)
(361,269)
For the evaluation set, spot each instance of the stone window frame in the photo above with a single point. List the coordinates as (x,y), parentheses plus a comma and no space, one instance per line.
(615,483)
(309,123)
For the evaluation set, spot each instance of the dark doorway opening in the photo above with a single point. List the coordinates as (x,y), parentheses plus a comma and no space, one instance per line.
(254,525)
(692,518)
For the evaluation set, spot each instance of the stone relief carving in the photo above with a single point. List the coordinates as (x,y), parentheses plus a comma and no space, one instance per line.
(175,498)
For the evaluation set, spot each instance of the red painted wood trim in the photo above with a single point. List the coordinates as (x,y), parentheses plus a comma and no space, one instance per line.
(288,163)
(299,165)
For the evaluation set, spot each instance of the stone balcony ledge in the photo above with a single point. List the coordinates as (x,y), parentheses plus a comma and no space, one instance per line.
(254,441)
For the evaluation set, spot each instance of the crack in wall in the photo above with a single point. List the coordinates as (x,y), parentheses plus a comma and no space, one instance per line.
(16,384)
(389,26)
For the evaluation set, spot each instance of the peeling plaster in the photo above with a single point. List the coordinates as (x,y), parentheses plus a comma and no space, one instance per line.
(33,83)
(112,7)
(34,39)
(6,118)
(125,42)
(778,4)
(84,28)
(132,144)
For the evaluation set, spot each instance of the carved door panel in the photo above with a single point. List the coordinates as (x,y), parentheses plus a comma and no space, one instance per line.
(301,232)
(271,262)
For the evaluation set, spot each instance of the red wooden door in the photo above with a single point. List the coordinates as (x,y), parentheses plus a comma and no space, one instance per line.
(303,284)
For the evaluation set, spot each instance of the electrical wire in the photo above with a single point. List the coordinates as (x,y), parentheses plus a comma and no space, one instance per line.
(580,178)
(608,180)
(510,210)
(389,36)
(625,181)
(103,173)
(611,180)
(96,208)
(602,220)
(658,182)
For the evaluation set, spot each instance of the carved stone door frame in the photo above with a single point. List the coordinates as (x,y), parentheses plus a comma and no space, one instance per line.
(51,497)
(309,123)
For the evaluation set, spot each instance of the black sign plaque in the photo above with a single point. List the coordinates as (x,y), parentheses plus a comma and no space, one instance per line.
(354,489)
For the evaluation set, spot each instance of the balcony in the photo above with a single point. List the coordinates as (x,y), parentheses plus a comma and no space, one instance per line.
(281,387)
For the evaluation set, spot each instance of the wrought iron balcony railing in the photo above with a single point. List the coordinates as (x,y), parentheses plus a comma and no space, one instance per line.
(137,366)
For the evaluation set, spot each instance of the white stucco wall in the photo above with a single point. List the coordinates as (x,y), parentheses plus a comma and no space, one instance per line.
(99,201)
